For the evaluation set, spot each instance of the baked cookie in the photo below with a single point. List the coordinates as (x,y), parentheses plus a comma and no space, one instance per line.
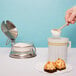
(50,67)
(60,64)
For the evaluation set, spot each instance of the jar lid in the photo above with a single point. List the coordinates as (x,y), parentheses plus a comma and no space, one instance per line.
(9,29)
(58,40)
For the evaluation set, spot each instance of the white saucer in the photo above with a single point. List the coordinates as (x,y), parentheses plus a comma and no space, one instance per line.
(40,67)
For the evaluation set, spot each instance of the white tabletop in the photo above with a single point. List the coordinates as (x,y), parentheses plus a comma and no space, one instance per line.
(26,67)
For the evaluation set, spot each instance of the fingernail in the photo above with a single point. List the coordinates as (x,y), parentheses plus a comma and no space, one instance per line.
(67,24)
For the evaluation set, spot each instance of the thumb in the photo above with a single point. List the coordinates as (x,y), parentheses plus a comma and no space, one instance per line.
(71,18)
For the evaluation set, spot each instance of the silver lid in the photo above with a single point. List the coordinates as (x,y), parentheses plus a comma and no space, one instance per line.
(9,29)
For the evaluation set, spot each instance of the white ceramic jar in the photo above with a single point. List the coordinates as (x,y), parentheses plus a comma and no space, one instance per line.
(23,50)
(57,48)
(22,47)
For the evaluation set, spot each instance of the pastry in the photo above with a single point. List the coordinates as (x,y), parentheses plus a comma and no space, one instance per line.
(50,67)
(60,64)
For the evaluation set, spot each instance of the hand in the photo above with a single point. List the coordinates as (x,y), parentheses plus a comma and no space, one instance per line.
(70,16)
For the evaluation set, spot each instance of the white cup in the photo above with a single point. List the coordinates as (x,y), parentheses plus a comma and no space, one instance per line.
(57,48)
